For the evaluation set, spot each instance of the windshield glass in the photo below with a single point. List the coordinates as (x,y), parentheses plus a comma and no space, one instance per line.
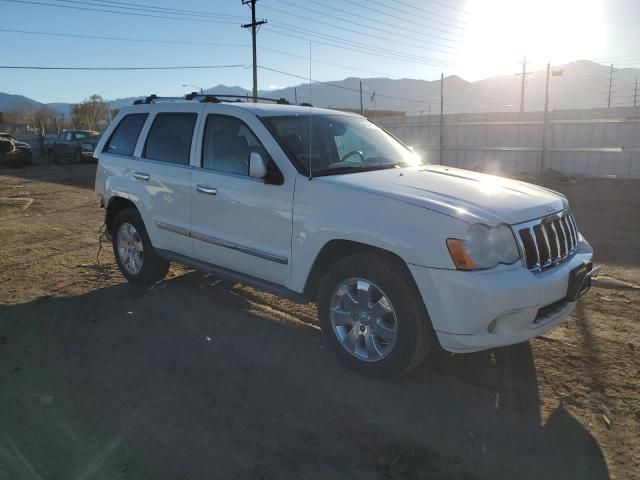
(338,144)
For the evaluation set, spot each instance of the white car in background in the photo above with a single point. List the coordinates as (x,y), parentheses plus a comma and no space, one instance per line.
(325,206)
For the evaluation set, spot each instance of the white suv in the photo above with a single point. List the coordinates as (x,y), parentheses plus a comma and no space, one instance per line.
(325,206)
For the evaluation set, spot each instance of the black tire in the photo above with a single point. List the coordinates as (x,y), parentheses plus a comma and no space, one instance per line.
(415,334)
(154,268)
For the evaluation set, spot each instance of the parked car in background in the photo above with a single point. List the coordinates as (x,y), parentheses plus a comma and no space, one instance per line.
(73,145)
(20,154)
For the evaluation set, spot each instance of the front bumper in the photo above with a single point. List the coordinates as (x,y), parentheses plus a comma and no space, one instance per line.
(473,311)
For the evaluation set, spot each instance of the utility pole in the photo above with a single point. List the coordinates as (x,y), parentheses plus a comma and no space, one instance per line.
(524,76)
(610,85)
(545,121)
(361,103)
(635,94)
(441,146)
(254,30)
(295,95)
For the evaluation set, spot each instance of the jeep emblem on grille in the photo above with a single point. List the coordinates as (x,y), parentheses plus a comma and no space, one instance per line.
(550,208)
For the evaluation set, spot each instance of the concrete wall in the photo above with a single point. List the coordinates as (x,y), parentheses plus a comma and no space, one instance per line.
(596,142)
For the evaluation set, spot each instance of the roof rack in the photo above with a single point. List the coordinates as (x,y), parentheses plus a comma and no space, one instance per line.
(153,98)
(211,98)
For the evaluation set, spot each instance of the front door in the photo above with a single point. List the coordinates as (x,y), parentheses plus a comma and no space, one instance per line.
(239,222)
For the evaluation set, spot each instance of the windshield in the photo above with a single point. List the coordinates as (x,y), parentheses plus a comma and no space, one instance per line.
(338,144)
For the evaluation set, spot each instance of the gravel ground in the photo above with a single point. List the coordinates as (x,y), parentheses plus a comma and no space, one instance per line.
(198,378)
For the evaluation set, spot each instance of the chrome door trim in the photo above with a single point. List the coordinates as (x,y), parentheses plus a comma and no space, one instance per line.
(206,189)
(141,176)
(172,228)
(240,248)
(221,243)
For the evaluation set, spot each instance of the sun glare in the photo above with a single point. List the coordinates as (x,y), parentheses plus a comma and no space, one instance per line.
(499,32)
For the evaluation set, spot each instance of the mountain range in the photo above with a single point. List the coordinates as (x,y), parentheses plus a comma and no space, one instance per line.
(580,84)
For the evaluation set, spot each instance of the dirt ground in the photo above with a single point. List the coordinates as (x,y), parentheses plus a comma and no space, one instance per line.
(197,378)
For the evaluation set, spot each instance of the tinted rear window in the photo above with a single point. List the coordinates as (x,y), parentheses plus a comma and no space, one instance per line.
(169,139)
(124,138)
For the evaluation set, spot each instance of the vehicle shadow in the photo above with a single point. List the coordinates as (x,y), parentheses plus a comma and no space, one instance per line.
(199,379)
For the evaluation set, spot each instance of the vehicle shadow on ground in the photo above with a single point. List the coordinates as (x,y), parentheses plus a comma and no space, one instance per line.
(198,379)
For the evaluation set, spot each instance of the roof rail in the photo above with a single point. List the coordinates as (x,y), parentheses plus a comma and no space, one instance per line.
(153,98)
(280,101)
(211,98)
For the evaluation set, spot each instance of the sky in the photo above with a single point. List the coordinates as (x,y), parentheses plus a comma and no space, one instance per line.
(473,39)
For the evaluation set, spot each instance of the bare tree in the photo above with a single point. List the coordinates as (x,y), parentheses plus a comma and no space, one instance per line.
(91,114)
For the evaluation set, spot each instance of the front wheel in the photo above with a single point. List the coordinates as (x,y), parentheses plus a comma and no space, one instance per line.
(372,315)
(134,253)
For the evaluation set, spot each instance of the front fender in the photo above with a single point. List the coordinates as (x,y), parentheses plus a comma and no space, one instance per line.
(325,211)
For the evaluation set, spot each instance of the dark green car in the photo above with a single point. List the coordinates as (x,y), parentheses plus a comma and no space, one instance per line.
(74,145)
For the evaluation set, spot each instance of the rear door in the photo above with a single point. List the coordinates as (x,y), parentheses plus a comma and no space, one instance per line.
(164,171)
(239,222)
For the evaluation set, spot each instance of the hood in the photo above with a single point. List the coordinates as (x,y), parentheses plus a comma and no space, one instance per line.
(470,196)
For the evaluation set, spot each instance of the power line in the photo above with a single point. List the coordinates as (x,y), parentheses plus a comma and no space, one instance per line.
(125,39)
(428,12)
(370,35)
(445,5)
(369,26)
(75,7)
(153,7)
(182,67)
(182,42)
(411,15)
(341,42)
(403,28)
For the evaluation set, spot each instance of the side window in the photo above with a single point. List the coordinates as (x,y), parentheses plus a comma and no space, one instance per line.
(124,138)
(170,136)
(227,144)
(68,136)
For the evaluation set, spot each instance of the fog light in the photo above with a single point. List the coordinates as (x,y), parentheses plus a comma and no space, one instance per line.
(513,321)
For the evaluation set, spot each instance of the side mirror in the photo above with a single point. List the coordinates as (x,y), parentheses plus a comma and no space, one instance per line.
(257,166)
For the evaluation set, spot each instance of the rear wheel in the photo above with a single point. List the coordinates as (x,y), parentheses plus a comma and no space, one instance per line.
(372,315)
(134,253)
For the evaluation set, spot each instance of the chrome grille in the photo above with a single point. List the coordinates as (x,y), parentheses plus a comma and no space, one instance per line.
(547,241)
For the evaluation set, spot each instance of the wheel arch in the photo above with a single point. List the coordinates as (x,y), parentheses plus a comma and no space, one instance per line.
(336,249)
(114,207)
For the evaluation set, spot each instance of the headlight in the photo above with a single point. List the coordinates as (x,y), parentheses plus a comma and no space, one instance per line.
(87,147)
(484,247)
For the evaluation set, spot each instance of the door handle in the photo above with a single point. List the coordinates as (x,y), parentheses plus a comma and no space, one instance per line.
(141,176)
(206,190)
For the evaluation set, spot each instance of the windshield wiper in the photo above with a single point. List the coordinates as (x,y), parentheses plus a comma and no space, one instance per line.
(367,168)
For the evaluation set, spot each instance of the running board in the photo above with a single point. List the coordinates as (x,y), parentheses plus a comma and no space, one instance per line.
(233,276)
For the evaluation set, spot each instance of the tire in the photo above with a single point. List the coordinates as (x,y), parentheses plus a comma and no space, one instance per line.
(413,336)
(129,233)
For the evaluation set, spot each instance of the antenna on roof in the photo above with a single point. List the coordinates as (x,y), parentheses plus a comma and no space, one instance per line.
(309,136)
